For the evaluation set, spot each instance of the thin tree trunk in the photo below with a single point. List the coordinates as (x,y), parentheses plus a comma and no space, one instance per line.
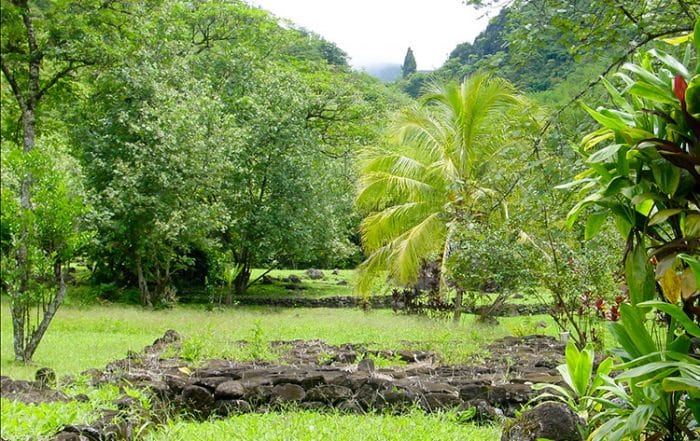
(18,308)
(458,306)
(49,313)
(145,295)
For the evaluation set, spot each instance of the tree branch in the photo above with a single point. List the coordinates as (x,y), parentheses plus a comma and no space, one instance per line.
(62,74)
(13,85)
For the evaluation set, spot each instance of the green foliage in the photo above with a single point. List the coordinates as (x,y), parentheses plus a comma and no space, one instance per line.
(433,175)
(584,385)
(49,235)
(658,386)
(644,176)
(221,138)
(542,68)
(485,257)
(409,64)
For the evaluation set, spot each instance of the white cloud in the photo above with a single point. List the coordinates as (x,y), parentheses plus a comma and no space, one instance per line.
(380,31)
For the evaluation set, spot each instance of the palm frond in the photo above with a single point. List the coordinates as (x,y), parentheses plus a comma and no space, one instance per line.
(383,227)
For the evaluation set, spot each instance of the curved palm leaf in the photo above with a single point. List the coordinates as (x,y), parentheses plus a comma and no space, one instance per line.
(433,175)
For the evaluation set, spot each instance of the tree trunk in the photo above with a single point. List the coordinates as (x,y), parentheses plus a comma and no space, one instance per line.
(458,306)
(144,294)
(49,313)
(19,311)
(240,283)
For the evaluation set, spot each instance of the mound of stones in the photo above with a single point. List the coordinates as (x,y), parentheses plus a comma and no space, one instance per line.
(494,388)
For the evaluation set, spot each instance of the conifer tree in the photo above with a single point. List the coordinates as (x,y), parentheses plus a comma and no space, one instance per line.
(409,63)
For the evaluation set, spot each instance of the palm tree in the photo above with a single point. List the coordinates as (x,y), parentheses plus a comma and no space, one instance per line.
(433,176)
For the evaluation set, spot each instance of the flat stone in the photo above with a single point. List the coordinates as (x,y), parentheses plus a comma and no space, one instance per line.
(229,390)
(211,383)
(439,388)
(329,393)
(366,365)
(312,381)
(438,401)
(474,391)
(399,397)
(287,392)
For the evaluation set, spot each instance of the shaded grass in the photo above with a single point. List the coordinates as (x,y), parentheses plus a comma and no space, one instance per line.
(85,337)
(326,287)
(304,425)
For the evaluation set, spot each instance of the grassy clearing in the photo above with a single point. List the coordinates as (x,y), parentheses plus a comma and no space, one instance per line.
(303,426)
(327,287)
(85,337)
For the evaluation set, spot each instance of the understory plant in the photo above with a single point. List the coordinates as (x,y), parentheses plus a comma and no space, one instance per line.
(644,173)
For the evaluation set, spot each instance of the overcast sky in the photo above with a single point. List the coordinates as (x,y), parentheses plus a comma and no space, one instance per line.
(380,31)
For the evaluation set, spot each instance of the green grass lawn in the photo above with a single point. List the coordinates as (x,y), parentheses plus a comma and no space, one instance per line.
(83,337)
(298,426)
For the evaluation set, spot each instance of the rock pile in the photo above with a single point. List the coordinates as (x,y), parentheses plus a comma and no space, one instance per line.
(499,386)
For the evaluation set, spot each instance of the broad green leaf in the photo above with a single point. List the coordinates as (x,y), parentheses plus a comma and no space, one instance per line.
(609,120)
(677,41)
(616,185)
(696,41)
(694,264)
(573,214)
(672,63)
(651,92)
(689,284)
(662,215)
(666,175)
(638,420)
(677,313)
(692,96)
(633,322)
(623,338)
(573,184)
(604,368)
(593,224)
(605,153)
(691,225)
(609,431)
(648,77)
(634,135)
(616,96)
(680,344)
(644,207)
(681,384)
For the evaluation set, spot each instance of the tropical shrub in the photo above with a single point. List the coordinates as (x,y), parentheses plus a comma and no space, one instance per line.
(644,172)
(646,176)
(434,174)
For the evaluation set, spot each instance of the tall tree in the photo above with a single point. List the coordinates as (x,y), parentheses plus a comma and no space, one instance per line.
(409,64)
(43,45)
(433,176)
